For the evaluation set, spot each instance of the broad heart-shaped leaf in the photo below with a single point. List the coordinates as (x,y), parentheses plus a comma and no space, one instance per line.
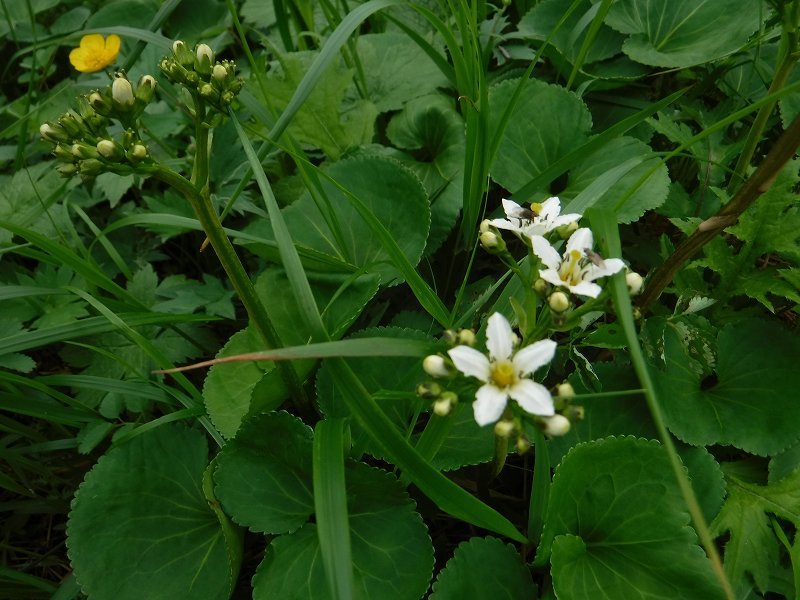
(392,553)
(616,195)
(682,33)
(322,122)
(396,70)
(484,569)
(233,390)
(751,405)
(540,22)
(547,123)
(467,443)
(141,527)
(753,547)
(377,374)
(618,527)
(263,475)
(431,132)
(392,192)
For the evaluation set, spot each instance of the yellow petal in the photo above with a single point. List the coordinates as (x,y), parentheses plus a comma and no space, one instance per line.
(112,45)
(77,58)
(94,42)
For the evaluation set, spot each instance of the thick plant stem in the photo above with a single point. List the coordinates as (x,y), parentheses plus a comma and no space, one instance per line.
(238,276)
(758,183)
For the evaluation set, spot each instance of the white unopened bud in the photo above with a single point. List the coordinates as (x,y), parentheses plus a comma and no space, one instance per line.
(442,407)
(108,149)
(219,73)
(122,92)
(178,46)
(558,301)
(540,286)
(205,58)
(504,429)
(435,366)
(634,281)
(466,337)
(490,240)
(139,152)
(485,226)
(557,425)
(565,390)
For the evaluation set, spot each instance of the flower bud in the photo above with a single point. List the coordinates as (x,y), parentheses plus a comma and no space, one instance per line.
(574,413)
(67,170)
(504,429)
(435,366)
(442,407)
(53,133)
(523,445)
(100,104)
(122,92)
(450,336)
(556,426)
(73,125)
(204,58)
(429,390)
(565,390)
(558,301)
(138,152)
(82,150)
(90,168)
(208,92)
(63,153)
(466,337)
(219,73)
(182,53)
(492,242)
(109,149)
(146,89)
(634,281)
(485,226)
(541,287)
(566,230)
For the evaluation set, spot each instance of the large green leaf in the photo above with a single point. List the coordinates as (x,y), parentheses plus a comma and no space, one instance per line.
(548,123)
(753,548)
(322,121)
(390,191)
(484,569)
(234,390)
(396,70)
(682,33)
(618,527)
(141,526)
(392,553)
(263,475)
(431,132)
(624,194)
(752,392)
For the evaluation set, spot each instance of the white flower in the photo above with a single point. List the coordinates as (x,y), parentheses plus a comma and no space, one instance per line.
(538,220)
(504,372)
(579,267)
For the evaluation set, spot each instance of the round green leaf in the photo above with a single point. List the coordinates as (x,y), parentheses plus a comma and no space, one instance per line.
(547,123)
(432,132)
(392,192)
(141,527)
(706,477)
(263,475)
(750,401)
(392,553)
(484,569)
(618,527)
(619,194)
(682,33)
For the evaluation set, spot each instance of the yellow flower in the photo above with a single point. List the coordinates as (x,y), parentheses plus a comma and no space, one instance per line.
(95,52)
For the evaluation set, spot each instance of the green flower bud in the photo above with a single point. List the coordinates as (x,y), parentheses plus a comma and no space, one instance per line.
(53,133)
(567,230)
(523,445)
(63,153)
(445,404)
(137,153)
(485,226)
(565,390)
(146,89)
(204,58)
(82,151)
(429,390)
(122,92)
(541,287)
(109,149)
(558,301)
(100,103)
(466,337)
(208,92)
(504,428)
(219,73)
(182,53)
(67,170)
(90,168)
(73,125)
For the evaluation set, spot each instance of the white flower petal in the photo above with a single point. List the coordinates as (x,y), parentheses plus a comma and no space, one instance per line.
(490,402)
(499,337)
(470,362)
(546,253)
(580,241)
(609,267)
(551,208)
(532,397)
(565,219)
(534,356)
(551,276)
(513,210)
(586,288)
(503,224)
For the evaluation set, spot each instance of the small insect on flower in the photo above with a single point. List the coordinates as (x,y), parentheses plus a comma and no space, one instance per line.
(95,52)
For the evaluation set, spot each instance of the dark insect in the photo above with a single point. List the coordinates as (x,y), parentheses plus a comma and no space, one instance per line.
(593,256)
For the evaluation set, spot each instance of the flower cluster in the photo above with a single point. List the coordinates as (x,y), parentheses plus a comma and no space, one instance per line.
(81,139)
(505,372)
(215,82)
(572,273)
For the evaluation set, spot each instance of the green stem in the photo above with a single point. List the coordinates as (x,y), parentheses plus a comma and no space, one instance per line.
(540,489)
(233,268)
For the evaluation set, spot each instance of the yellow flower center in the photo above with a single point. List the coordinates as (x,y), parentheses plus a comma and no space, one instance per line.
(570,270)
(536,207)
(503,374)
